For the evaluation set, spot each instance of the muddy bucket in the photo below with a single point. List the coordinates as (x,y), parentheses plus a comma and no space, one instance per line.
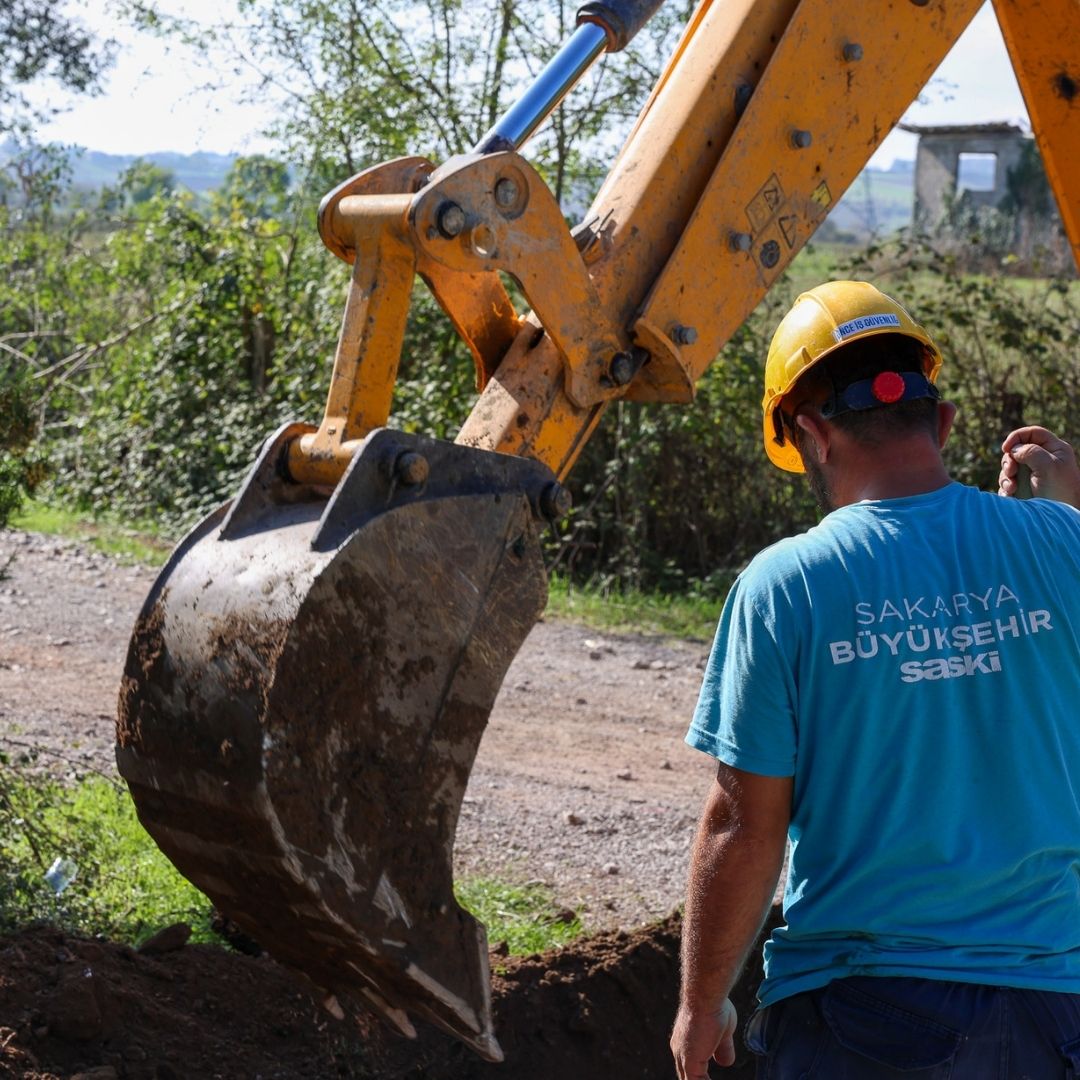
(304,695)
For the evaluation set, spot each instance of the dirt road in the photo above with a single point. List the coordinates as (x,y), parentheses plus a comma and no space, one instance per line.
(582,780)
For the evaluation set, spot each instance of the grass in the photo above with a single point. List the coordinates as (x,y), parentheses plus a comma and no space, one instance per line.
(686,615)
(123,886)
(524,916)
(130,545)
(822,260)
(127,890)
(815,263)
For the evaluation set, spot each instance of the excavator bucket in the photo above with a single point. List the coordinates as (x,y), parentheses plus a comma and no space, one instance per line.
(304,695)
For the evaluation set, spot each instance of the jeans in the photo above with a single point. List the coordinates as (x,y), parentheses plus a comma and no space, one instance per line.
(879,1028)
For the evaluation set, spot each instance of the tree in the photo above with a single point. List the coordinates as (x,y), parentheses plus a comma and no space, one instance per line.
(256,187)
(33,177)
(1027,189)
(142,180)
(39,43)
(362,81)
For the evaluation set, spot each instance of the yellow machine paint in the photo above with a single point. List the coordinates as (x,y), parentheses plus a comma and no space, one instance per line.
(310,677)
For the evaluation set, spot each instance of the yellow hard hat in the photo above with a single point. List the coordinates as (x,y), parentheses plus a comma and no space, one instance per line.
(820,322)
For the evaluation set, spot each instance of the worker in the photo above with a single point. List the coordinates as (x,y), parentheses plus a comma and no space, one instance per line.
(1054,472)
(892,698)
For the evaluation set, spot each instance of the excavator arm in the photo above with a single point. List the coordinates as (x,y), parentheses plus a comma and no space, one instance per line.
(310,677)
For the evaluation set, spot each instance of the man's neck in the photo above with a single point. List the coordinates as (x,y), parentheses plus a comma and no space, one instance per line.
(900,471)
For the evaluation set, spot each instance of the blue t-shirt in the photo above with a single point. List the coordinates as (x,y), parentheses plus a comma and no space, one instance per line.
(914,664)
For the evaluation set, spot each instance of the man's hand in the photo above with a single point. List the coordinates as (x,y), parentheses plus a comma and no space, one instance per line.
(700,1036)
(1054,472)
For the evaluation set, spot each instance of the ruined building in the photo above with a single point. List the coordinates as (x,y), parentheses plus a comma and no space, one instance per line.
(978,168)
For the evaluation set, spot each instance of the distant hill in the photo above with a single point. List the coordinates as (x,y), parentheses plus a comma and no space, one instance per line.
(91,169)
(877,203)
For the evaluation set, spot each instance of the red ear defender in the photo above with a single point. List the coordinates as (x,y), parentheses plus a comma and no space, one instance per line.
(887,387)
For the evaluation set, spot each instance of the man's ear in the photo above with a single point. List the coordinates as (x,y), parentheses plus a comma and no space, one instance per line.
(817,434)
(946,414)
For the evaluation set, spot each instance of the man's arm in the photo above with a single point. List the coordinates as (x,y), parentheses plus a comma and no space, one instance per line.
(736,861)
(1054,473)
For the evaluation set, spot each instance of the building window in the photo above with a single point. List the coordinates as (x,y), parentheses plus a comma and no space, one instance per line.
(976,172)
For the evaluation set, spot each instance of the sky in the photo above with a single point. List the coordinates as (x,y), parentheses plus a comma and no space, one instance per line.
(152,101)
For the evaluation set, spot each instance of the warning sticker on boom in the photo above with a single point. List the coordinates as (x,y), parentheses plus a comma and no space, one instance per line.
(765,203)
(821,195)
(789,226)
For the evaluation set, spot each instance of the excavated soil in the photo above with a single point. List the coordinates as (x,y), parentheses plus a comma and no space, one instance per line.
(582,783)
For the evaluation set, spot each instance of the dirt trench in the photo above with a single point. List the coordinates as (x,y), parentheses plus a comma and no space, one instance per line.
(95,1010)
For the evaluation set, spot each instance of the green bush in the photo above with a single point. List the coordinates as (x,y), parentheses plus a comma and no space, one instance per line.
(163,349)
(1009,346)
(166,347)
(679,498)
(123,886)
